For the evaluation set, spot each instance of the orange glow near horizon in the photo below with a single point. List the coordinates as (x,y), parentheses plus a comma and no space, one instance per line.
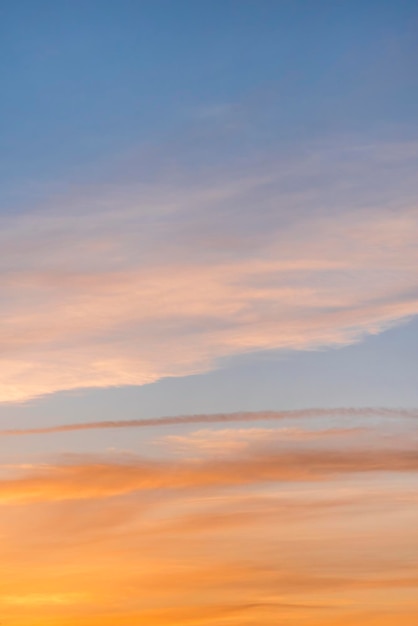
(319,536)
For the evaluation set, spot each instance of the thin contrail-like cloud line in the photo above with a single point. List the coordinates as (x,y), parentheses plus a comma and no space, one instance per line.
(218,418)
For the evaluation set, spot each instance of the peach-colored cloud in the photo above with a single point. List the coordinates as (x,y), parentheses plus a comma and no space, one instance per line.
(128,284)
(227,441)
(98,479)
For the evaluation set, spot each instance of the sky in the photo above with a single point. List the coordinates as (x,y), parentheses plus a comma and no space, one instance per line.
(209,313)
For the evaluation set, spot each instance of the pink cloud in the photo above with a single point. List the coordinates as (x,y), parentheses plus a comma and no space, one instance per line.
(126,285)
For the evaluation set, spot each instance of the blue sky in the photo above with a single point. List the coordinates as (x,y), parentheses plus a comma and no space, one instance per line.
(83,81)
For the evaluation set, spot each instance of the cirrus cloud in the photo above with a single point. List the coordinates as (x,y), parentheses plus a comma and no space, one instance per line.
(126,284)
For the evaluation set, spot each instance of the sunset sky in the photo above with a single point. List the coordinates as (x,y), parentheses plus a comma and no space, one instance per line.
(209,313)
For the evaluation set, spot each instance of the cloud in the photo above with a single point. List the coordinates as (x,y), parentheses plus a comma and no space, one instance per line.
(227,441)
(100,479)
(123,284)
(263,533)
(263,554)
(221,418)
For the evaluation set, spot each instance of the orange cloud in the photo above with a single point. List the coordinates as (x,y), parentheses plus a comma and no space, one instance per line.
(320,530)
(321,553)
(97,479)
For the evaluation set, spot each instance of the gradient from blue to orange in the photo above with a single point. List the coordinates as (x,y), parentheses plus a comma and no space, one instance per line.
(209,208)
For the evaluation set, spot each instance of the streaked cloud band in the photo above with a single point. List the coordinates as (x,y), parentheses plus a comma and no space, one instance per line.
(219,418)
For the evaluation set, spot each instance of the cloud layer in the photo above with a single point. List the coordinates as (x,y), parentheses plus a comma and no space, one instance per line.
(123,284)
(315,530)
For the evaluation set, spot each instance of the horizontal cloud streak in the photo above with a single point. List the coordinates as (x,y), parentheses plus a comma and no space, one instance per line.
(126,284)
(104,479)
(220,418)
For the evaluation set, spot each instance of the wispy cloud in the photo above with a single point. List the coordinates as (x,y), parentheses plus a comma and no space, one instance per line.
(227,441)
(221,418)
(293,532)
(101,479)
(126,284)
